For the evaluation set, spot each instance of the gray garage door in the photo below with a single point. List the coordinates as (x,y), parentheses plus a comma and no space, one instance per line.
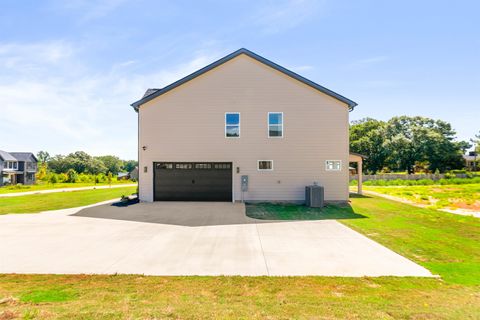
(193,181)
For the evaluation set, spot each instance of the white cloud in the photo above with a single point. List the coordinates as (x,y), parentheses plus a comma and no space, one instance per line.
(301,68)
(277,16)
(53,108)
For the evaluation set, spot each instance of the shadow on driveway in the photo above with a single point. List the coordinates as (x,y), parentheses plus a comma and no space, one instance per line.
(197,214)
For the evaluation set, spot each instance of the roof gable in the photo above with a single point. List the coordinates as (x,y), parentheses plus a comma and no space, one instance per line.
(5,156)
(153,93)
(24,156)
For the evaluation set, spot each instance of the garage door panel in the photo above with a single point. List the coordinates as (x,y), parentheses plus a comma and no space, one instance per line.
(188,181)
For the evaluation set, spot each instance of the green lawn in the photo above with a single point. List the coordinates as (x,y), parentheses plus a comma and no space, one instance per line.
(447,244)
(60,200)
(48,186)
(466,196)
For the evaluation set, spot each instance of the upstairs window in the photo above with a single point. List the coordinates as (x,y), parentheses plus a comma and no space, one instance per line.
(275,124)
(232,125)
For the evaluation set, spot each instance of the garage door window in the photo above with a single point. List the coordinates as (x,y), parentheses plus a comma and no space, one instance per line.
(232,125)
(203,166)
(164,165)
(186,166)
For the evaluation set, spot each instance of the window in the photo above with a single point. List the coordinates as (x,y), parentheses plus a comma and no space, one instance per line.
(265,165)
(186,166)
(222,166)
(232,125)
(164,165)
(203,166)
(275,124)
(333,165)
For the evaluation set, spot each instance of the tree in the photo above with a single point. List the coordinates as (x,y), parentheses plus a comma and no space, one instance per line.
(476,142)
(367,138)
(72,176)
(129,165)
(109,178)
(411,139)
(112,163)
(43,156)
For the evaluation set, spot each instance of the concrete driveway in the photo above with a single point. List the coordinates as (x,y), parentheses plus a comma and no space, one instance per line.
(188,239)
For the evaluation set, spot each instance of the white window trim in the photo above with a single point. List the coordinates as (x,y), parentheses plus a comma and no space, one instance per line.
(239,125)
(327,169)
(268,125)
(258,165)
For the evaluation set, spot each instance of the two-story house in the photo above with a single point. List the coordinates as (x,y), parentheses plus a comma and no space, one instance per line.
(242,128)
(17,167)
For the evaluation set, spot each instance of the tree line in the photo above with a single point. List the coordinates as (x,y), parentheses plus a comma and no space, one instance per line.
(80,162)
(407,144)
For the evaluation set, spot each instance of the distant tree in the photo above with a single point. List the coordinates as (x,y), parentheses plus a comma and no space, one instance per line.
(59,164)
(367,137)
(129,165)
(109,178)
(43,156)
(42,171)
(112,163)
(53,178)
(476,142)
(411,139)
(72,176)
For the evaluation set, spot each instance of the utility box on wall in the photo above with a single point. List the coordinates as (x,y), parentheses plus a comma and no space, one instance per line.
(244,183)
(314,196)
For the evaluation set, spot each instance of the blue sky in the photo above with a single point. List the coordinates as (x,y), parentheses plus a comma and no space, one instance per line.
(70,69)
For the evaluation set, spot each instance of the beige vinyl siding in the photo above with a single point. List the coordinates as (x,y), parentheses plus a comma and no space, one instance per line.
(188,124)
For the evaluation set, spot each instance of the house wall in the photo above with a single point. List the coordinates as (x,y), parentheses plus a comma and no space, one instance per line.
(187,124)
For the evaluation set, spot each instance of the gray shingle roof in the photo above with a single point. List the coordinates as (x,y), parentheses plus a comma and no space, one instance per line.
(149,92)
(23,156)
(153,94)
(5,156)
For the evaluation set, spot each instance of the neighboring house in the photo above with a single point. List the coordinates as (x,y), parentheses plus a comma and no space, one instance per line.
(123,176)
(134,174)
(241,119)
(17,167)
(472,161)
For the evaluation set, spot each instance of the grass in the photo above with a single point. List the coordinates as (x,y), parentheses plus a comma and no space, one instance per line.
(446,244)
(142,297)
(445,196)
(49,186)
(419,182)
(60,200)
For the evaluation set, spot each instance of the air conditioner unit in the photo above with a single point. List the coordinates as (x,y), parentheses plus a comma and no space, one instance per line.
(314,196)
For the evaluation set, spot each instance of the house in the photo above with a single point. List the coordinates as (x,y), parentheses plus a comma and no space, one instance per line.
(242,128)
(17,167)
(123,176)
(472,161)
(134,174)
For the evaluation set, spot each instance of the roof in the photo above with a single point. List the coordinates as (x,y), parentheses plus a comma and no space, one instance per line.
(23,156)
(471,158)
(149,92)
(153,93)
(5,156)
(359,155)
